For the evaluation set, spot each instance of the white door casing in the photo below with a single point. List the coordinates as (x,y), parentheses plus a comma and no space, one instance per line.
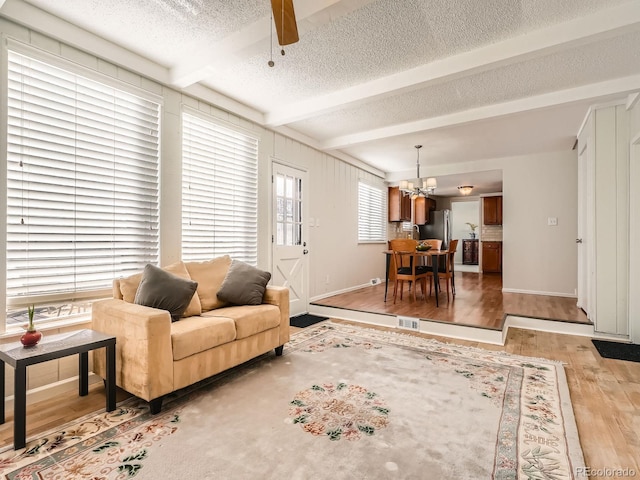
(634,241)
(290,252)
(582,233)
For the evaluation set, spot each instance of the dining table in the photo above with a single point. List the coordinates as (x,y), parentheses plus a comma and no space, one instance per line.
(419,253)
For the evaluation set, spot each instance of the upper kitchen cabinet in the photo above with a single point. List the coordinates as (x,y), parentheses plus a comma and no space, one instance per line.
(492,207)
(399,206)
(422,207)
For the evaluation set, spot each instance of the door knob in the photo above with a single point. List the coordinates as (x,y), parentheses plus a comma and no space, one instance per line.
(305,251)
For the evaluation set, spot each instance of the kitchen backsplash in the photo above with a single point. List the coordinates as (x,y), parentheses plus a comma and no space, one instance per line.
(491,233)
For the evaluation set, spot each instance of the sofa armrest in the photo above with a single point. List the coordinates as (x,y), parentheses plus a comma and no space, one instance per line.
(279,296)
(144,356)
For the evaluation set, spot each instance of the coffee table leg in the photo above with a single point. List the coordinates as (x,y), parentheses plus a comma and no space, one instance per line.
(20,407)
(111,377)
(84,373)
(2,401)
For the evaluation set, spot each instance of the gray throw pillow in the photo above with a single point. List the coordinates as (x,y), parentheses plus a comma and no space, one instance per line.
(244,284)
(166,291)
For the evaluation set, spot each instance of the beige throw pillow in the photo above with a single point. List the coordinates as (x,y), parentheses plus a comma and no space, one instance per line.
(209,276)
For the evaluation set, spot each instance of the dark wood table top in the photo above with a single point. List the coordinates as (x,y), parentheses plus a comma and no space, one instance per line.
(53,346)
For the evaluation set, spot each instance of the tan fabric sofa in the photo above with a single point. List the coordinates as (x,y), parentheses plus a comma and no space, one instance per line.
(155,356)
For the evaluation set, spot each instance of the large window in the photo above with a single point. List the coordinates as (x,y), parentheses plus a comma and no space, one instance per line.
(82,187)
(372,226)
(219,191)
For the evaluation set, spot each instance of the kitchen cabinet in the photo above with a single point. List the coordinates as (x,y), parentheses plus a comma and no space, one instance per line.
(399,206)
(492,207)
(470,251)
(422,207)
(491,257)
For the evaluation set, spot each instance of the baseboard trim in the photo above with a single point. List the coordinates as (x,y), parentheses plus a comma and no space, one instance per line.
(538,292)
(50,390)
(338,292)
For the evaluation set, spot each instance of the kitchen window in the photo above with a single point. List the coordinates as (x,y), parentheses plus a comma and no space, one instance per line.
(372,224)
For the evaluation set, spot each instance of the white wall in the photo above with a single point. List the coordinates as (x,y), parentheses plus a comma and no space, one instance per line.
(538,258)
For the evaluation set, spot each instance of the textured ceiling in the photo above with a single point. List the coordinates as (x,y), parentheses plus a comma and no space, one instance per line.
(470,80)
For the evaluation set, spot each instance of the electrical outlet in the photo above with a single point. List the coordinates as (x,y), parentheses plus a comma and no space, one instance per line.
(552,221)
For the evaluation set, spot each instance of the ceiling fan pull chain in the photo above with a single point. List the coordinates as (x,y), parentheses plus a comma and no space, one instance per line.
(282,30)
(270,62)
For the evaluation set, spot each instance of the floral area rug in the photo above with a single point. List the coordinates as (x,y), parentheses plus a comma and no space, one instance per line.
(343,402)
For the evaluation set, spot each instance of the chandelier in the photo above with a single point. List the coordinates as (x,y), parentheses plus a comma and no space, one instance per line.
(421,188)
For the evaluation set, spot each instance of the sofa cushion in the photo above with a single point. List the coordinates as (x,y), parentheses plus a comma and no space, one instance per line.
(244,284)
(129,287)
(209,276)
(196,334)
(249,319)
(164,290)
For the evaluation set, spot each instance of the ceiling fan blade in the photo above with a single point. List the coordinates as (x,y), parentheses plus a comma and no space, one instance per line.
(285,19)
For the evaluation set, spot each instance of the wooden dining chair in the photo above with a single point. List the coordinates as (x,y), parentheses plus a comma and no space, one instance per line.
(434,242)
(448,272)
(409,270)
(402,245)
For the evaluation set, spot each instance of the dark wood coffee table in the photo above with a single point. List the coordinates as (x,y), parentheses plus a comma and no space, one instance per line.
(51,348)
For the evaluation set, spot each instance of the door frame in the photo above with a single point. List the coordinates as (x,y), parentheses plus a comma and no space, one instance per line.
(634,240)
(274,162)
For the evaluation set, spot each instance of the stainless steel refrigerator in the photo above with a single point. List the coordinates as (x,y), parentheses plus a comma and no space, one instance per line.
(439,227)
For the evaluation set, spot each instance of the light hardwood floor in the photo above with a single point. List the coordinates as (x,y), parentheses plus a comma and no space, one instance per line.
(479,302)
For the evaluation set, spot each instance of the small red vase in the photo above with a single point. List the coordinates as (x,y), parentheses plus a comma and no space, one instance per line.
(31,338)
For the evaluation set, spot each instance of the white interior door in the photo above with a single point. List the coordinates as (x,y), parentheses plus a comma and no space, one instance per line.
(290,252)
(586,231)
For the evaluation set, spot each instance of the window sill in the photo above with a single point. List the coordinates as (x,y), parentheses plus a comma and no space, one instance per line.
(15,332)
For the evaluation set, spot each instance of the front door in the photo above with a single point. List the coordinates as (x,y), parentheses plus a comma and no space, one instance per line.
(290,259)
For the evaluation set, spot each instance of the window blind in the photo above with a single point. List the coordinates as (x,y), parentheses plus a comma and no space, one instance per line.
(82,182)
(219,191)
(371,213)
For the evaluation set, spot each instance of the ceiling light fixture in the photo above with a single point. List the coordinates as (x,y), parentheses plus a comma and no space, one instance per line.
(465,189)
(421,188)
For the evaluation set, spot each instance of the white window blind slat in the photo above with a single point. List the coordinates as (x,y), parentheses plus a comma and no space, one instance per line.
(371,213)
(82,182)
(219,191)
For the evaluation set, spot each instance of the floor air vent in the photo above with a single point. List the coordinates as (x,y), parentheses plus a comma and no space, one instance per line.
(409,323)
